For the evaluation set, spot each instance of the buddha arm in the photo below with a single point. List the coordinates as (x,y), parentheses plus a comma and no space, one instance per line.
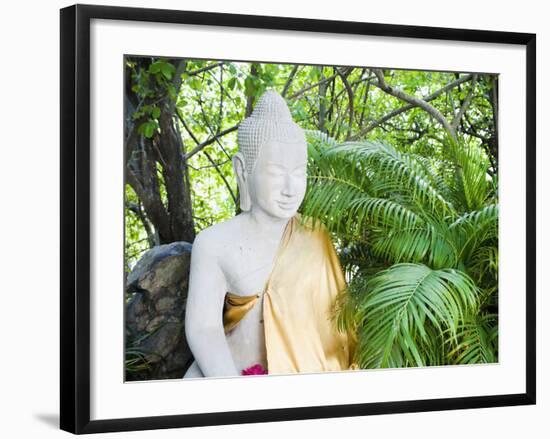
(203,315)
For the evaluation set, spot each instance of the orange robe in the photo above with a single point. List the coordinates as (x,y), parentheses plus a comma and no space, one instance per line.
(299,296)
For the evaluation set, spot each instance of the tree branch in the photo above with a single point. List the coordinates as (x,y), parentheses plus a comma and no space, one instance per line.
(305,89)
(350,98)
(465,104)
(408,107)
(205,69)
(417,102)
(289,80)
(213,139)
(136,208)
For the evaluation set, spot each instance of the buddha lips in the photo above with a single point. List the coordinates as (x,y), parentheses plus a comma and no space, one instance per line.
(256,369)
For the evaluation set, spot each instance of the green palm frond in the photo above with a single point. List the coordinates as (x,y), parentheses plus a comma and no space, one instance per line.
(487,216)
(434,347)
(382,212)
(472,181)
(397,172)
(477,341)
(474,230)
(329,199)
(400,302)
(483,263)
(319,139)
(431,243)
(323,163)
(419,239)
(333,183)
(410,244)
(438,173)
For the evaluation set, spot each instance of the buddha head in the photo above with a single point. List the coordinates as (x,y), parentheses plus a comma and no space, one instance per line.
(271,165)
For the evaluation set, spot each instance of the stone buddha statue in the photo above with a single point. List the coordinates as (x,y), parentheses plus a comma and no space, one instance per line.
(263,283)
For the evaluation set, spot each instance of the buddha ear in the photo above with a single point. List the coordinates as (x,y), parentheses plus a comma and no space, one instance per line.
(239,166)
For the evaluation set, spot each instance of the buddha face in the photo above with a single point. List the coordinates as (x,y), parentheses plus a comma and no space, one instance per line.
(279,179)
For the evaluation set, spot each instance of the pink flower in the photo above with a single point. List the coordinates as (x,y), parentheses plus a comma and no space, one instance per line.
(256,369)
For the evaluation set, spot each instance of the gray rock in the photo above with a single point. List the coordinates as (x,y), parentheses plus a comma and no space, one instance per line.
(152,257)
(155,310)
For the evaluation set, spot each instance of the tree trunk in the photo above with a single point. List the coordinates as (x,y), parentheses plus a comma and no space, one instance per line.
(171,215)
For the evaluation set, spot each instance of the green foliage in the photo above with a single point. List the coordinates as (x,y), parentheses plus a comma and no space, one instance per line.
(148,128)
(398,304)
(162,69)
(151,83)
(421,237)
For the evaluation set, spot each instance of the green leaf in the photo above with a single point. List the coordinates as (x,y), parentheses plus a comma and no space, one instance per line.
(155,67)
(168,70)
(155,112)
(195,83)
(148,128)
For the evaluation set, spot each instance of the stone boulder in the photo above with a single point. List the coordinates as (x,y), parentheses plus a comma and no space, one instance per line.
(156,291)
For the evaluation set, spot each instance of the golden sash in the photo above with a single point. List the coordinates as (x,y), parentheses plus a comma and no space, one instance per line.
(299,297)
(235,308)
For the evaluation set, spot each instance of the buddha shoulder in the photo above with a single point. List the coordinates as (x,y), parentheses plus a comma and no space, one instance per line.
(217,239)
(312,232)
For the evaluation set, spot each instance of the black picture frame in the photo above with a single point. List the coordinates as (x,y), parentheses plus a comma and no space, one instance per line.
(75,217)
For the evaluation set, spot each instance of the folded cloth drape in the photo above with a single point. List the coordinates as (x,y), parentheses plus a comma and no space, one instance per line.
(235,308)
(299,299)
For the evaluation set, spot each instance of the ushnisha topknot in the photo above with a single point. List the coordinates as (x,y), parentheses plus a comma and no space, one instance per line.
(270,120)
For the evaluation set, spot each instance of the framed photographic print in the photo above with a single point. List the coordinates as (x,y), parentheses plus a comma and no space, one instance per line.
(275,218)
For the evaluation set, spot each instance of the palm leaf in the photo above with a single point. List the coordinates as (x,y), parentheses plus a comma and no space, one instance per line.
(477,234)
(398,172)
(477,341)
(434,222)
(431,243)
(400,302)
(472,181)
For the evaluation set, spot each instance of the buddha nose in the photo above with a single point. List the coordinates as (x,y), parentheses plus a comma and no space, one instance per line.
(288,187)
